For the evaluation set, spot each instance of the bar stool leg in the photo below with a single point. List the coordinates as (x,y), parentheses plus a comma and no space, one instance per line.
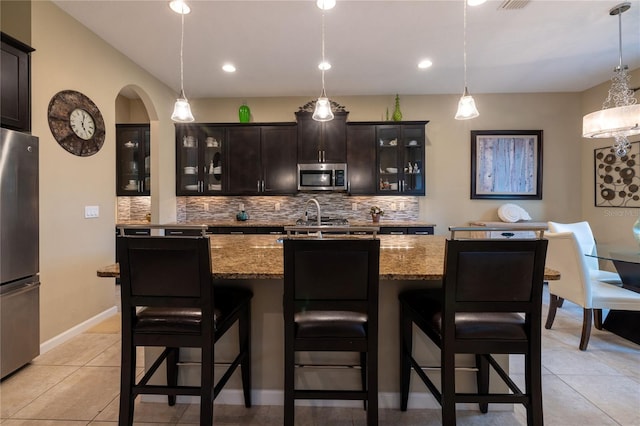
(482,377)
(406,345)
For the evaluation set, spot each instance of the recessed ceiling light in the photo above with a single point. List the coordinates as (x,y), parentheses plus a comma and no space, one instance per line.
(475,2)
(179,6)
(425,63)
(228,68)
(326,4)
(324,65)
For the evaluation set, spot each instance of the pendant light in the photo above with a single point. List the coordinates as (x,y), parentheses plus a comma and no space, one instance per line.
(181,109)
(466,105)
(620,115)
(323,111)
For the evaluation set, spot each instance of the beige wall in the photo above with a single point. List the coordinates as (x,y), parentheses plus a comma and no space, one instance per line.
(15,19)
(73,247)
(449,147)
(609,224)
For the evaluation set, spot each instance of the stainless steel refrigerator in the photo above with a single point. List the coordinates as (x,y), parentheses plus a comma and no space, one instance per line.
(19,258)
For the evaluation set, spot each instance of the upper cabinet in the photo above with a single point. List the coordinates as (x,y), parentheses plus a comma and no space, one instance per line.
(322,141)
(200,159)
(401,156)
(231,159)
(133,160)
(361,158)
(15,91)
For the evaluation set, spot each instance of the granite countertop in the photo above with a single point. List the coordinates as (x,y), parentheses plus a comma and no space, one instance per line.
(402,257)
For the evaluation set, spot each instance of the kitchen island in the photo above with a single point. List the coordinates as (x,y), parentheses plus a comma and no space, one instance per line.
(256,262)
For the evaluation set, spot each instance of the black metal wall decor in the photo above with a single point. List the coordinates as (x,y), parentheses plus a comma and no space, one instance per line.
(617,179)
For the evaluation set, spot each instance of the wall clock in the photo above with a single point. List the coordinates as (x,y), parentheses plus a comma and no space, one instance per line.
(76,123)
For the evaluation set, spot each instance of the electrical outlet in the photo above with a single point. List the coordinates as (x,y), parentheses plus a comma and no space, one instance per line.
(91,212)
(393,207)
(354,207)
(402,206)
(277,207)
(206,207)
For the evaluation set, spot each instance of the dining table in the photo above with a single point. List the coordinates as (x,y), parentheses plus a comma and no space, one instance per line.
(626,260)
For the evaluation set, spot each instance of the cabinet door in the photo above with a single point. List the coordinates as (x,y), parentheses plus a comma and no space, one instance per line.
(133,157)
(361,159)
(189,161)
(322,142)
(279,163)
(243,149)
(389,159)
(333,139)
(15,91)
(412,145)
(214,166)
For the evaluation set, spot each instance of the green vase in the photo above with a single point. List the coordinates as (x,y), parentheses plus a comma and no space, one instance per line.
(397,114)
(244,113)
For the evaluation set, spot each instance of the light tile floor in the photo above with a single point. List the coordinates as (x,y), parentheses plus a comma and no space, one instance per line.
(77,383)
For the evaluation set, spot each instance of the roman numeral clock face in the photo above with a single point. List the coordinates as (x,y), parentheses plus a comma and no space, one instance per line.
(76,123)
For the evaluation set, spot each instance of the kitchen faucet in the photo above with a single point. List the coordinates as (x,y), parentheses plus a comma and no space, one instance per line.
(304,213)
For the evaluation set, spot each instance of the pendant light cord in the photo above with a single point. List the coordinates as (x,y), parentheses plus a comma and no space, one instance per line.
(181,60)
(620,66)
(464,44)
(323,61)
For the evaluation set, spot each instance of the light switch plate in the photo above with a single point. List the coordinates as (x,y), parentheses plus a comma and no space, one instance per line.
(91,212)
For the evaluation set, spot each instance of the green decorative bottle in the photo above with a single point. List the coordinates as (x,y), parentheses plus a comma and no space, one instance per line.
(244,113)
(397,114)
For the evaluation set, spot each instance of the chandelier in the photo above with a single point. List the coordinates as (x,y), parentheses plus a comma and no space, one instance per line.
(620,115)
(323,111)
(466,105)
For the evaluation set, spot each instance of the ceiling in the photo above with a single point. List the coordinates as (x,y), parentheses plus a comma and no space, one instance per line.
(373,46)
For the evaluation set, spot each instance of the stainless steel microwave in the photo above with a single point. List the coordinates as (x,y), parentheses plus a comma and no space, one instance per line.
(322,177)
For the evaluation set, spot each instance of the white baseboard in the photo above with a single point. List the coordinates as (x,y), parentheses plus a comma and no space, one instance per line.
(78,329)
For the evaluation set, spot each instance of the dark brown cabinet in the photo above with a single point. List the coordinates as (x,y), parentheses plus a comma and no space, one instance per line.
(361,158)
(401,158)
(15,91)
(262,159)
(133,160)
(232,159)
(410,230)
(200,159)
(322,141)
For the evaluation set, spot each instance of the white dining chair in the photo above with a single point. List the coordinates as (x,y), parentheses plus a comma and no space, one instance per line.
(587,244)
(576,285)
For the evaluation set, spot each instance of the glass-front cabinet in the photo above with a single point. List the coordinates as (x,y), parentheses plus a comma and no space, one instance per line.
(199,159)
(400,165)
(133,160)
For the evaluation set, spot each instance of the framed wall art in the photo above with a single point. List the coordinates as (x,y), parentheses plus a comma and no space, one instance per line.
(617,179)
(506,164)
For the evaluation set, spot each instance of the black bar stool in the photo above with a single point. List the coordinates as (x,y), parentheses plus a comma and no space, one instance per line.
(168,300)
(490,303)
(331,304)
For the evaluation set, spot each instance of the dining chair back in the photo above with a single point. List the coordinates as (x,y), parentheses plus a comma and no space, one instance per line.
(490,303)
(331,304)
(587,245)
(577,285)
(169,300)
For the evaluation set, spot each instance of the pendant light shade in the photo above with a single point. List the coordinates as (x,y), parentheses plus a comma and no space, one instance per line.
(466,105)
(322,111)
(620,114)
(181,109)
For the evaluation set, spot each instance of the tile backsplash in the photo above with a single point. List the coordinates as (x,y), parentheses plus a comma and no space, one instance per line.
(285,208)
(274,208)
